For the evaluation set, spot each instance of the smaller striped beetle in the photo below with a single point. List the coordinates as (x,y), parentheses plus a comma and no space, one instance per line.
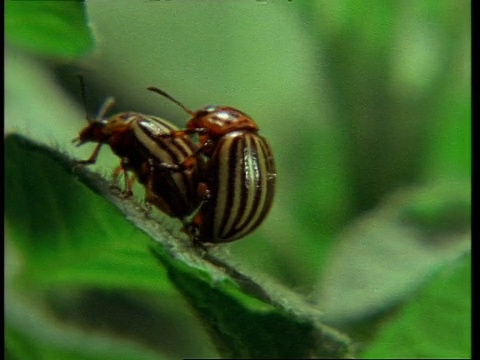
(237,178)
(137,139)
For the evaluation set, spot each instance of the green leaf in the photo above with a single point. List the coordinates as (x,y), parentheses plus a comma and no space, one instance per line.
(61,229)
(66,233)
(390,252)
(434,324)
(41,338)
(49,28)
(244,327)
(406,114)
(449,149)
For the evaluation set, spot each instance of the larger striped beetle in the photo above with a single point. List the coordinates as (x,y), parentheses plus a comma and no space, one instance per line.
(237,175)
(137,139)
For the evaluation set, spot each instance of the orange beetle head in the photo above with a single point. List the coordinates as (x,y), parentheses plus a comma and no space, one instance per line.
(101,130)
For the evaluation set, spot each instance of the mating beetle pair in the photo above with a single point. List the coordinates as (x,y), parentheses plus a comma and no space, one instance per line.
(225,179)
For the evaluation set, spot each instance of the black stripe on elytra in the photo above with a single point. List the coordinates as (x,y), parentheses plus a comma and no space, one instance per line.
(269,184)
(254,186)
(230,146)
(165,144)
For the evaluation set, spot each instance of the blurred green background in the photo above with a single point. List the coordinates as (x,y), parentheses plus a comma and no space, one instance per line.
(366,104)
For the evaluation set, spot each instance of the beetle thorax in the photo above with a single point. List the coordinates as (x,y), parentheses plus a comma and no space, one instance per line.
(221,120)
(120,122)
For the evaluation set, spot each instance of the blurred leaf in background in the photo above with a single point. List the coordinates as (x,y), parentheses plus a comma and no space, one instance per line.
(367,106)
(50,28)
(438,321)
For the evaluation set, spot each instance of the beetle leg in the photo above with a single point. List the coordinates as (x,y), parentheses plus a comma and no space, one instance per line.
(172,167)
(184,132)
(129,184)
(189,161)
(116,173)
(271,176)
(93,158)
(149,197)
(149,194)
(193,230)
(184,165)
(203,192)
(192,227)
(203,148)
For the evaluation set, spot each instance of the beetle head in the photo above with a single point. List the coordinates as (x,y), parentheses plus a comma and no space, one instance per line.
(93,132)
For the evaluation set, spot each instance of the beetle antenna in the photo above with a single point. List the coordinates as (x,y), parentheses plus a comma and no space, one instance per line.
(169,97)
(84,98)
(107,105)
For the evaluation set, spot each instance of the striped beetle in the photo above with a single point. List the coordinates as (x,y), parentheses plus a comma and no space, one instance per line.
(238,177)
(137,139)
